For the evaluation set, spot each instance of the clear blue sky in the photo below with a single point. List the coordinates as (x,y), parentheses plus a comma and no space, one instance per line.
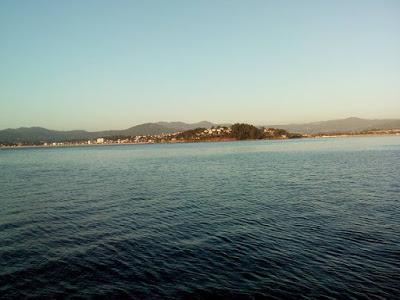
(113,64)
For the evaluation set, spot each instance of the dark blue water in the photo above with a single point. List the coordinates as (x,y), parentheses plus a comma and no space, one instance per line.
(314,218)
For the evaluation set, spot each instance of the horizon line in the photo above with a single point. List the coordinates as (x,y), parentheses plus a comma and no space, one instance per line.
(190,123)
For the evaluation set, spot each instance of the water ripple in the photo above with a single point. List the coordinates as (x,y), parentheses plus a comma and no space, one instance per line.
(251,220)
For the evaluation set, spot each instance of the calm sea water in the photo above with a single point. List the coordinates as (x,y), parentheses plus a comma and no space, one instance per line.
(313,218)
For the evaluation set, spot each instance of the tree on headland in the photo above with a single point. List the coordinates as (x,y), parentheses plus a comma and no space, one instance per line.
(280,132)
(295,135)
(241,131)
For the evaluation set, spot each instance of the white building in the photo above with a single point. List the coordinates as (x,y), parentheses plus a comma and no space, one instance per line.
(100,141)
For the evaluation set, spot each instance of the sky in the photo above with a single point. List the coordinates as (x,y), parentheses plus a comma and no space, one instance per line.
(98,65)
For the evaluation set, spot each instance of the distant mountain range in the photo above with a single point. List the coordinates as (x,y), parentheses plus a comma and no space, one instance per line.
(39,134)
(341,125)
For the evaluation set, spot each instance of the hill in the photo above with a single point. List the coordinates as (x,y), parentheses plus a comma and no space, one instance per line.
(341,125)
(181,126)
(39,134)
(36,134)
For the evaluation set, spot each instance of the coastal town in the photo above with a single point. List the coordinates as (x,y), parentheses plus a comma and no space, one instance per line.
(213,134)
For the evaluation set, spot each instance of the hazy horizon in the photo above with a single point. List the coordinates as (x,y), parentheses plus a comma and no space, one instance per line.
(194,122)
(101,65)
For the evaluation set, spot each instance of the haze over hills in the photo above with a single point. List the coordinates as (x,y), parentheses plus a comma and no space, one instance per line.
(39,134)
(181,126)
(340,125)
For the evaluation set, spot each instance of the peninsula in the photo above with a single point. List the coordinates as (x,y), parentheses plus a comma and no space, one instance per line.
(238,131)
(180,132)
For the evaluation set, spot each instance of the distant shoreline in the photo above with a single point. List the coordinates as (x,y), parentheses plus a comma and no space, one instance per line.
(194,141)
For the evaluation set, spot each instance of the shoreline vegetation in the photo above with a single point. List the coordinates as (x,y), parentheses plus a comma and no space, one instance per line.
(236,132)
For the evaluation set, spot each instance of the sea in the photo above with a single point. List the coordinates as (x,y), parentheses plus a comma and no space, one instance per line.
(282,219)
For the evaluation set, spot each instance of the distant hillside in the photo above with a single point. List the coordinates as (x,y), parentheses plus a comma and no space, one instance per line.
(142,129)
(341,125)
(39,134)
(181,126)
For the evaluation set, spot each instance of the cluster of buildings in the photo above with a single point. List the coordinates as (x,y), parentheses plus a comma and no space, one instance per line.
(210,133)
(140,139)
(217,131)
(197,134)
(271,132)
(371,132)
(380,132)
(201,134)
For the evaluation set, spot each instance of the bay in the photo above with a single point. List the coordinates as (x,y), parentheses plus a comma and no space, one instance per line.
(307,218)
